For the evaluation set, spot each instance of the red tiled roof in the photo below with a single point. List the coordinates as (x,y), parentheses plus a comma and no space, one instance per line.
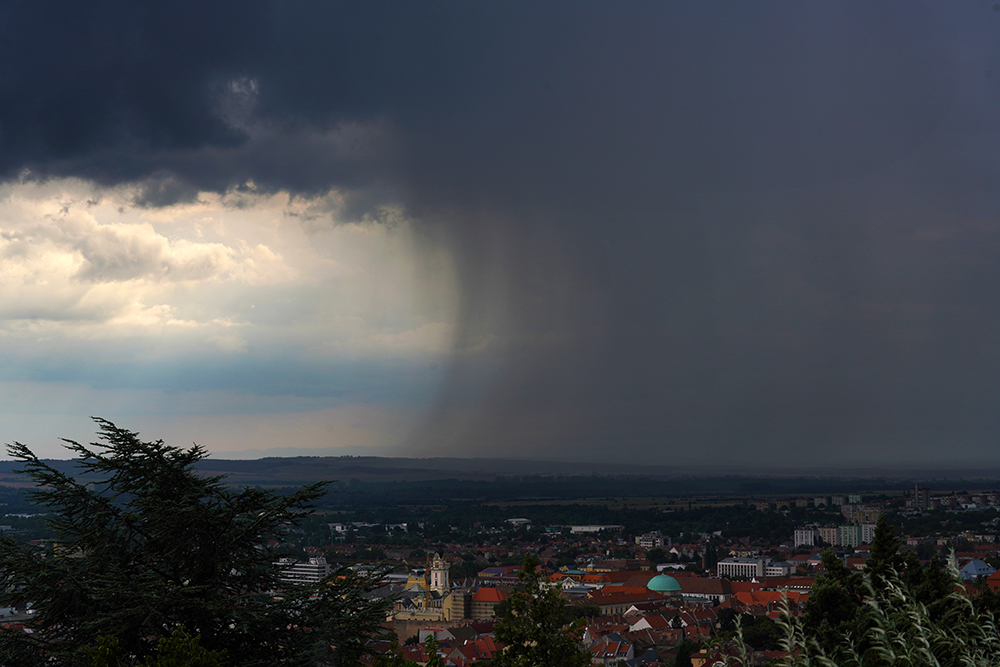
(618,590)
(771,597)
(742,586)
(479,649)
(624,598)
(483,627)
(705,586)
(796,583)
(489,594)
(657,621)
(611,650)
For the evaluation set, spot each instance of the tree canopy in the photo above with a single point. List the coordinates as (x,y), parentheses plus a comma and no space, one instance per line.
(148,546)
(533,626)
(899,611)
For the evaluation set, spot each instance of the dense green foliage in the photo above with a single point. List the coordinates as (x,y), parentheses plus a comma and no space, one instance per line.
(556,488)
(684,650)
(840,610)
(898,612)
(177,650)
(532,626)
(759,632)
(148,546)
(893,628)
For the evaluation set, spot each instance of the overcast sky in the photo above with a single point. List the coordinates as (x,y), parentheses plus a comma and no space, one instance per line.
(691,232)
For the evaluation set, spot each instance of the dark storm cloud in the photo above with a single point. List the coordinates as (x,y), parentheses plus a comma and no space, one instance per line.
(89,79)
(684,230)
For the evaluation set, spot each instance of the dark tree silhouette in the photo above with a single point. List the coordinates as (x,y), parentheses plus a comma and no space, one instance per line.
(147,546)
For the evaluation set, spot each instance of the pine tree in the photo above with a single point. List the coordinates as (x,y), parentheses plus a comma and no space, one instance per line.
(533,628)
(884,556)
(835,609)
(148,546)
(848,613)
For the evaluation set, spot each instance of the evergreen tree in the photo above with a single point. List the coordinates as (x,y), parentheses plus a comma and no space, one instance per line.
(928,585)
(148,546)
(684,650)
(533,627)
(850,614)
(433,651)
(884,556)
(761,633)
(656,555)
(898,629)
(178,650)
(834,610)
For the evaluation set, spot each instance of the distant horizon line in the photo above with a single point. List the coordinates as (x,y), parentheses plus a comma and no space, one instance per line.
(522,466)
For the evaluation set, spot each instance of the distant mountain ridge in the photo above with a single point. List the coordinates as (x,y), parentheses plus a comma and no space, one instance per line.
(296,470)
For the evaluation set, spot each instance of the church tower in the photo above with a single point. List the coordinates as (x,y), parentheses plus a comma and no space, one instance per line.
(440,580)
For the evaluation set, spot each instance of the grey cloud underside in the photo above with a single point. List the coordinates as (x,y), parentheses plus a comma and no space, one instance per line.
(756,230)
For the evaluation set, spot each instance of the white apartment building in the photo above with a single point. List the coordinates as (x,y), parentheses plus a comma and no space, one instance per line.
(294,572)
(746,568)
(595,528)
(653,540)
(805,537)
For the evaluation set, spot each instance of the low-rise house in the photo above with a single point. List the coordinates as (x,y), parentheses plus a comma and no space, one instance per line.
(856,563)
(484,600)
(648,658)
(612,650)
(707,590)
(622,598)
(600,627)
(652,622)
(474,650)
(974,569)
(687,551)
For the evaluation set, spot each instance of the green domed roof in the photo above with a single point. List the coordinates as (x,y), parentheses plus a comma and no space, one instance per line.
(663,583)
